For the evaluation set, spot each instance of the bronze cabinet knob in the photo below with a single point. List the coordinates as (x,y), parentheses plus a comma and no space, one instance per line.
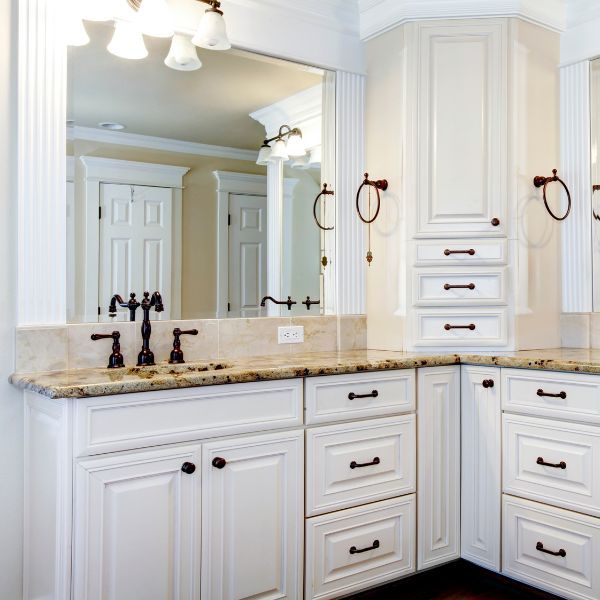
(188,468)
(487,383)
(495,222)
(219,463)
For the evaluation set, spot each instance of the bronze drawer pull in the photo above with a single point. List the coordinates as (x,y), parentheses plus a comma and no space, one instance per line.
(470,252)
(469,286)
(188,468)
(487,383)
(448,327)
(373,394)
(561,465)
(219,463)
(542,393)
(355,465)
(539,546)
(355,550)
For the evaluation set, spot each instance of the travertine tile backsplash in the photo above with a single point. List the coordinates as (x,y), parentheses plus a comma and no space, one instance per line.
(70,347)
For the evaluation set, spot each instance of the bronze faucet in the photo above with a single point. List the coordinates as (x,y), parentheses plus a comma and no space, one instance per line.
(146,356)
(132,305)
(289,302)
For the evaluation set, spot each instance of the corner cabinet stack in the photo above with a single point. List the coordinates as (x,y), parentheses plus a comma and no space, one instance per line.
(460,124)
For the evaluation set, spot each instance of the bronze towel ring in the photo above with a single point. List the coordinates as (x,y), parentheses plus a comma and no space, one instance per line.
(325,192)
(380,184)
(540,181)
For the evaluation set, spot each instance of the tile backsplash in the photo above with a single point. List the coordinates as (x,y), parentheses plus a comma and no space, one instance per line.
(70,347)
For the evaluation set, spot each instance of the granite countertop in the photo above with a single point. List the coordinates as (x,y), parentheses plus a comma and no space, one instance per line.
(83,383)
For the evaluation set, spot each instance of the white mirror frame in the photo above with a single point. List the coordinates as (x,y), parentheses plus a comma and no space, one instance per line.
(42,253)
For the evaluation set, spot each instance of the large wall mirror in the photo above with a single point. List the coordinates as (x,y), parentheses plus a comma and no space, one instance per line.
(595,175)
(167,189)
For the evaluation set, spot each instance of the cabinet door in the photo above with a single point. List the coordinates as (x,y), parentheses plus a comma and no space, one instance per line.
(439,465)
(137,525)
(462,125)
(253,511)
(481,466)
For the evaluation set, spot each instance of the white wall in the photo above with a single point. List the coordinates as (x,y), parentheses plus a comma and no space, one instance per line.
(11,403)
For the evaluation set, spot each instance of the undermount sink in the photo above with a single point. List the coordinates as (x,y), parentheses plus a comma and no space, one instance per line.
(179,369)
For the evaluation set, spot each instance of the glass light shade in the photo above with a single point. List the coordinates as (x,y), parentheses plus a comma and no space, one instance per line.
(212,32)
(315,157)
(155,19)
(295,146)
(264,155)
(75,30)
(183,55)
(97,10)
(300,163)
(127,41)
(279,152)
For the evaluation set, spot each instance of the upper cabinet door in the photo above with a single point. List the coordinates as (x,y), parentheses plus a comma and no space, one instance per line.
(462,129)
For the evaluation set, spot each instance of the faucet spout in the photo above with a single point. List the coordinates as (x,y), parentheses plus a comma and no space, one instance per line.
(289,302)
(146,356)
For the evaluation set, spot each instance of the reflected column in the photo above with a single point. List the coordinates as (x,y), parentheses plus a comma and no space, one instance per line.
(274,230)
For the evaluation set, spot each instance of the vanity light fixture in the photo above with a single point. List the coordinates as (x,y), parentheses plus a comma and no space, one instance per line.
(294,147)
(127,41)
(183,55)
(111,126)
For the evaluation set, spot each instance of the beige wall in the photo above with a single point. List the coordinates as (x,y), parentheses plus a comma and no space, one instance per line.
(199,234)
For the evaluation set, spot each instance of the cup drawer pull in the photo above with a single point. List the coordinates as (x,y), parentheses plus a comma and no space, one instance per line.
(561,465)
(355,465)
(355,550)
(448,327)
(539,546)
(373,394)
(470,252)
(542,393)
(468,286)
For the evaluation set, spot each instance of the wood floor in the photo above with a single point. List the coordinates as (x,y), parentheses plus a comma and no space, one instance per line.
(457,581)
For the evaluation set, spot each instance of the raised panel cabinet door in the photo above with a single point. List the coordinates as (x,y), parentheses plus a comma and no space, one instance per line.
(252,517)
(438,416)
(481,466)
(462,128)
(137,525)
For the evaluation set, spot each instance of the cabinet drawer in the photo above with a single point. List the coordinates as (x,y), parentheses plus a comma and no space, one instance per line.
(568,396)
(447,327)
(356,396)
(359,547)
(531,528)
(459,287)
(348,465)
(128,421)
(460,252)
(552,461)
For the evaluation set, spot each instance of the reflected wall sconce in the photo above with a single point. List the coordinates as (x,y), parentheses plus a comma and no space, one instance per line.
(325,192)
(283,149)
(540,180)
(377,185)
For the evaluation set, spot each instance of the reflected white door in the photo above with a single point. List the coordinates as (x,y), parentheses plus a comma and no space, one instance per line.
(247,254)
(135,244)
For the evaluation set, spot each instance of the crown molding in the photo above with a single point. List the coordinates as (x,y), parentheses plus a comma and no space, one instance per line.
(137,140)
(379,16)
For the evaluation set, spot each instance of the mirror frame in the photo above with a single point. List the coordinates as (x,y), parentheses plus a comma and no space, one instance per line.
(41,139)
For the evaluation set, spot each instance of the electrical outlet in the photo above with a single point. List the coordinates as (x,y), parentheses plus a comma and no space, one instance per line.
(291,335)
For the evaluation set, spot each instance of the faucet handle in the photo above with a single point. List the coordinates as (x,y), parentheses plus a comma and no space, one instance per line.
(115,360)
(177,353)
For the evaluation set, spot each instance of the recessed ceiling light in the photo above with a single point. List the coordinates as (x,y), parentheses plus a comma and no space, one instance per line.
(112,126)
(70,122)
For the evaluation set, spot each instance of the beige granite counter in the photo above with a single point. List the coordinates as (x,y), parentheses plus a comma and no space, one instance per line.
(82,383)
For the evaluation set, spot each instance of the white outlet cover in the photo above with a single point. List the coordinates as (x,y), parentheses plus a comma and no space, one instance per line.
(290,335)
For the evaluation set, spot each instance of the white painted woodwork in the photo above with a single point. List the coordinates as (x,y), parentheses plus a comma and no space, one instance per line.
(136,235)
(438,523)
(327,399)
(429,287)
(462,113)
(481,457)
(332,571)
(491,327)
(128,421)
(137,525)
(576,230)
(577,486)
(247,254)
(332,483)
(574,576)
(274,234)
(252,520)
(485,252)
(582,401)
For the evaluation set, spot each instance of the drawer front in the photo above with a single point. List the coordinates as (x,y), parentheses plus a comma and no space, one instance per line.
(359,548)
(460,252)
(129,421)
(461,328)
(356,396)
(455,287)
(348,465)
(553,462)
(533,531)
(568,396)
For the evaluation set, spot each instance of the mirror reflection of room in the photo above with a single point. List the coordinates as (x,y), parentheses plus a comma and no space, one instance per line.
(168,189)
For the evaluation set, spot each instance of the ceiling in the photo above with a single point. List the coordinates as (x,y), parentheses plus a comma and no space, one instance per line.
(208,106)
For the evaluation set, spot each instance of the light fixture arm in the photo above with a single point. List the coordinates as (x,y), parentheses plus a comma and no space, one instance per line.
(215,4)
(282,134)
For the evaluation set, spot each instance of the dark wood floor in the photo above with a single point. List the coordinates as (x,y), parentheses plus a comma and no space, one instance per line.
(456,581)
